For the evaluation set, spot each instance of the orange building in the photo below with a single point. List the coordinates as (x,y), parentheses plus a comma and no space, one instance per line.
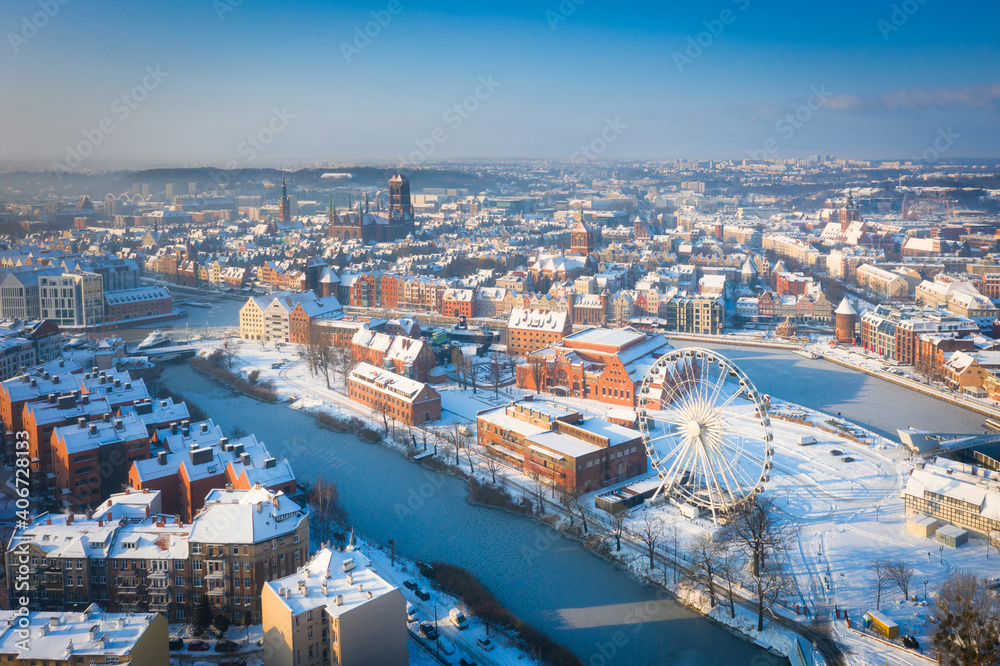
(404,399)
(601,364)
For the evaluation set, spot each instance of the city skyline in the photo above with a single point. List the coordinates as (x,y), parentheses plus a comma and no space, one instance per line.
(243,84)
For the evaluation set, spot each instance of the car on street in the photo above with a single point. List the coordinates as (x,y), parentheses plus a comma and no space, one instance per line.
(411,612)
(176,643)
(485,644)
(423,594)
(227,646)
(198,646)
(429,630)
(410,585)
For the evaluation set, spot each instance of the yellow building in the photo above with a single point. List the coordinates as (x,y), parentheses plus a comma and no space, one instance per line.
(88,637)
(335,610)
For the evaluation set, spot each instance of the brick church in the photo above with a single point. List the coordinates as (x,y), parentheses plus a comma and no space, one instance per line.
(376,226)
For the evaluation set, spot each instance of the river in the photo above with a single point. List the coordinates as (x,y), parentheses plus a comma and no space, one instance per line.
(600,613)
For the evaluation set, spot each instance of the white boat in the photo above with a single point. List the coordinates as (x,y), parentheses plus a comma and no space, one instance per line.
(155,339)
(198,304)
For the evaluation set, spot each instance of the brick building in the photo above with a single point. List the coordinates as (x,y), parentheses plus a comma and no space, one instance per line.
(531,330)
(558,446)
(600,364)
(404,399)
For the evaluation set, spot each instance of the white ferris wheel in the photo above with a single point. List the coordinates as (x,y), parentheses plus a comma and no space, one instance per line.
(706,430)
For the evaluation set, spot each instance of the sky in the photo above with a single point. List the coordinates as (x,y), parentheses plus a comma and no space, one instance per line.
(246,83)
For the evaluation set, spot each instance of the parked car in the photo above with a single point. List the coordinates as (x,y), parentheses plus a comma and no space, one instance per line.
(410,585)
(457,618)
(176,643)
(227,646)
(198,646)
(466,661)
(411,612)
(446,647)
(485,644)
(423,595)
(429,630)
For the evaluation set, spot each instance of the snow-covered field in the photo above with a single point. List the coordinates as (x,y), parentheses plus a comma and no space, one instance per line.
(848,511)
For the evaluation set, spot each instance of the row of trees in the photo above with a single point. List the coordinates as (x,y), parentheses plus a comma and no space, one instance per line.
(323,358)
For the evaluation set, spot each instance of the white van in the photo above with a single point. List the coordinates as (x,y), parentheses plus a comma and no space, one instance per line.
(457,618)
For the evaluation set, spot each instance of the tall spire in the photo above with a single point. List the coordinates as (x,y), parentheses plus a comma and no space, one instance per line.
(366,201)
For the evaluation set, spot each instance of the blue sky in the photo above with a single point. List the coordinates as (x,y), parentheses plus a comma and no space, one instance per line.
(892,77)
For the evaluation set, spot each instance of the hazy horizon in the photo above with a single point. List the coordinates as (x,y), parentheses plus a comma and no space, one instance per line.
(241,84)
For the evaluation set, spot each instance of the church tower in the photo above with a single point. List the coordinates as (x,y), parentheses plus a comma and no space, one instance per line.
(399,197)
(581,239)
(286,207)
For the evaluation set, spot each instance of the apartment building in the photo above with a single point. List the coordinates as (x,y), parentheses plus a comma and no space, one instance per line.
(91,460)
(90,636)
(531,330)
(887,284)
(72,300)
(401,354)
(335,610)
(195,458)
(128,556)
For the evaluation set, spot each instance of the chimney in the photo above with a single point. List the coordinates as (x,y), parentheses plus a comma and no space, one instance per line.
(173,428)
(82,422)
(54,621)
(161,457)
(93,428)
(119,424)
(204,428)
(147,511)
(340,599)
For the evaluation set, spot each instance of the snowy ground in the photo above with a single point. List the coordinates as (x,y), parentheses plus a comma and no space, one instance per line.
(847,511)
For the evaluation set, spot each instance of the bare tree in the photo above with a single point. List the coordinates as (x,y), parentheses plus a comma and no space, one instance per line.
(458,360)
(230,348)
(768,584)
(649,533)
(617,515)
(901,573)
(493,465)
(729,567)
(325,511)
(495,372)
(705,553)
(381,409)
(538,490)
(572,500)
(345,363)
(537,366)
(878,578)
(967,621)
(673,534)
(755,528)
(319,353)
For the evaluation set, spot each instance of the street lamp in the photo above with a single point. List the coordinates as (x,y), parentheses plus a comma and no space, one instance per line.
(941,553)
(925,588)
